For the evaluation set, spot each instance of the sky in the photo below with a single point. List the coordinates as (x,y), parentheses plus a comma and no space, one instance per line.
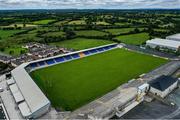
(88,4)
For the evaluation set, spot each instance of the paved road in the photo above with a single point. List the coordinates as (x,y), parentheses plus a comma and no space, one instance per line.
(153,110)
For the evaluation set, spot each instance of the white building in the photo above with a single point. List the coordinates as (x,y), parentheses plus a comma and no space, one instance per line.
(30,100)
(163,85)
(175,37)
(163,43)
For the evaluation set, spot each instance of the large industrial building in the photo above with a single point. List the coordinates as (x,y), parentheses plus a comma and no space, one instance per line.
(163,43)
(175,37)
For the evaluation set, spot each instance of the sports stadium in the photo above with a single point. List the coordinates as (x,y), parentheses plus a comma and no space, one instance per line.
(69,81)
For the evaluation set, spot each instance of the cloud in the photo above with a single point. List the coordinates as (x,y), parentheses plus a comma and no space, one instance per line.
(83,4)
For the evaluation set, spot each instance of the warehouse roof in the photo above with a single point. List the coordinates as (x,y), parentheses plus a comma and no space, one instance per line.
(32,94)
(165,42)
(163,82)
(175,36)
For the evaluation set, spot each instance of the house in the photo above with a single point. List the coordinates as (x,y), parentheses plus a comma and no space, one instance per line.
(163,43)
(163,85)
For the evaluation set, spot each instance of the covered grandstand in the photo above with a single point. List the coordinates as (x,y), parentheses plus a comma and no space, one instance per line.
(31,101)
(68,57)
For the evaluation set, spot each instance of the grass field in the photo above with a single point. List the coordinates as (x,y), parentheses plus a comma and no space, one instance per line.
(101,23)
(77,22)
(119,31)
(15,50)
(43,22)
(7,33)
(21,25)
(122,24)
(90,33)
(161,30)
(134,39)
(81,43)
(54,34)
(73,84)
(61,22)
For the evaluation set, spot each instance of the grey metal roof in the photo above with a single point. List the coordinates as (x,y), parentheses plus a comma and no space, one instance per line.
(32,94)
(163,82)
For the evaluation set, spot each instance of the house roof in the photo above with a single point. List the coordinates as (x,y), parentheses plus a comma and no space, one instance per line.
(163,82)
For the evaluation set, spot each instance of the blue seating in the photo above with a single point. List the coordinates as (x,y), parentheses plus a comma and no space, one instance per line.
(86,52)
(75,56)
(112,46)
(60,59)
(93,51)
(42,63)
(100,49)
(68,57)
(50,62)
(33,65)
(106,48)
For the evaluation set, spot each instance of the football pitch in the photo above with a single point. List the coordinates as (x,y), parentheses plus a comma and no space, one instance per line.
(73,84)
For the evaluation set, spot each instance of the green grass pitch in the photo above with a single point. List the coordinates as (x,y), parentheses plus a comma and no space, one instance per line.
(73,84)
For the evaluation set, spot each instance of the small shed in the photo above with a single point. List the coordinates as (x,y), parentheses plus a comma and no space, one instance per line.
(163,85)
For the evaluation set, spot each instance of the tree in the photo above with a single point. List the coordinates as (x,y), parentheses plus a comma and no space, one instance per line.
(150,37)
(24,24)
(11,52)
(22,51)
(157,48)
(2,49)
(136,30)
(15,25)
(70,34)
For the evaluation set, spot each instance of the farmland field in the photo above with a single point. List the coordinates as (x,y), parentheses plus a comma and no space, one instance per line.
(7,33)
(61,22)
(90,33)
(54,34)
(81,43)
(101,23)
(15,50)
(21,25)
(77,22)
(134,39)
(122,24)
(119,31)
(43,22)
(73,84)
